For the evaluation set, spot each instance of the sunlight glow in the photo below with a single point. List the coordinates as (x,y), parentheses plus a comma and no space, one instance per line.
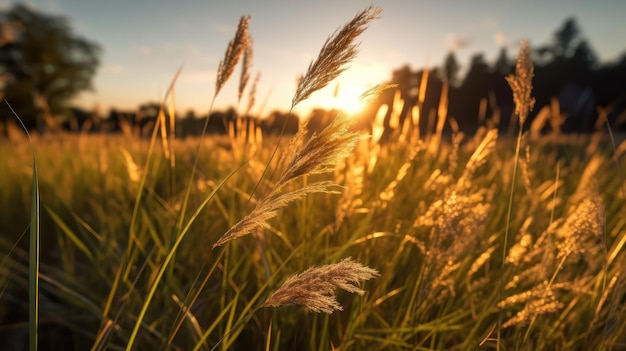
(346,98)
(345,91)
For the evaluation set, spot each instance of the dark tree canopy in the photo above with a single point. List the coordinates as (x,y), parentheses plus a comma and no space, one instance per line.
(568,44)
(450,69)
(503,65)
(567,71)
(44,64)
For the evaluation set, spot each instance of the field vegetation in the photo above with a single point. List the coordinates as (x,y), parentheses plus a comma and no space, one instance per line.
(327,239)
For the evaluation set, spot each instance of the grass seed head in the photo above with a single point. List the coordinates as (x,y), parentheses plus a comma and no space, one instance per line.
(315,287)
(521,83)
(581,229)
(321,152)
(372,93)
(267,209)
(252,94)
(236,48)
(338,50)
(246,68)
(540,300)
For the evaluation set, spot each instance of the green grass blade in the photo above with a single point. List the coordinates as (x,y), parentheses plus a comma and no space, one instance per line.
(218,319)
(33,250)
(192,300)
(33,273)
(70,234)
(169,257)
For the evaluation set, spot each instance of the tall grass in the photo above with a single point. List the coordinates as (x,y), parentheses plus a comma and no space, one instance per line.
(335,240)
(33,249)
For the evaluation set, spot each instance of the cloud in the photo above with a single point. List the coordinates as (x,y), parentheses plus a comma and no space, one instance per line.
(501,39)
(198,76)
(185,52)
(222,28)
(491,23)
(115,68)
(162,48)
(456,42)
(145,50)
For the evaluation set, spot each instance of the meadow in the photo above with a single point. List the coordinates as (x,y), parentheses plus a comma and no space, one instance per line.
(328,239)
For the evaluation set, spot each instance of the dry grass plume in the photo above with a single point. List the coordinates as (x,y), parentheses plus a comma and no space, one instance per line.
(317,155)
(339,49)
(236,47)
(521,83)
(315,287)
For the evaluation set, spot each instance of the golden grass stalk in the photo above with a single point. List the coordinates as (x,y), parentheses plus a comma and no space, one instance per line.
(315,287)
(519,251)
(267,209)
(246,68)
(538,301)
(339,49)
(132,169)
(321,152)
(372,93)
(582,229)
(521,83)
(236,48)
(252,93)
(479,157)
(525,168)
(317,155)
(350,199)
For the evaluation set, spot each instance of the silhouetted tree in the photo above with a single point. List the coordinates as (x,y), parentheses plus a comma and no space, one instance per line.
(219,120)
(584,55)
(563,41)
(476,86)
(565,70)
(318,119)
(190,114)
(503,64)
(275,121)
(45,64)
(568,47)
(450,69)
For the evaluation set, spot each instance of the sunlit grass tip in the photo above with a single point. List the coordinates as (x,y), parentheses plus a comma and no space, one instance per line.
(315,287)
(521,83)
(338,50)
(236,47)
(372,93)
(317,155)
(246,68)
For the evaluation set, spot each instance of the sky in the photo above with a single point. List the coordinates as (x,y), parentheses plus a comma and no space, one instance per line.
(145,42)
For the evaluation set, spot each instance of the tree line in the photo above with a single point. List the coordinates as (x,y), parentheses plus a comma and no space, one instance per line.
(574,91)
(44,64)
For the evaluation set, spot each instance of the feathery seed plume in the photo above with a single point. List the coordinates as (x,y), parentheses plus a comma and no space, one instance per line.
(317,155)
(267,208)
(372,93)
(252,93)
(521,83)
(580,232)
(539,300)
(235,49)
(321,152)
(337,51)
(245,69)
(315,287)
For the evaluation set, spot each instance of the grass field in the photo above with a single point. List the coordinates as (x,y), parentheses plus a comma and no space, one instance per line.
(427,242)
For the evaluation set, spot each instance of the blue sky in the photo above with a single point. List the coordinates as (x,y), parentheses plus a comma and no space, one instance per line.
(144,42)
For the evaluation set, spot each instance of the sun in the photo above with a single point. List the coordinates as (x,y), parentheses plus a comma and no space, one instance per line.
(346,97)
